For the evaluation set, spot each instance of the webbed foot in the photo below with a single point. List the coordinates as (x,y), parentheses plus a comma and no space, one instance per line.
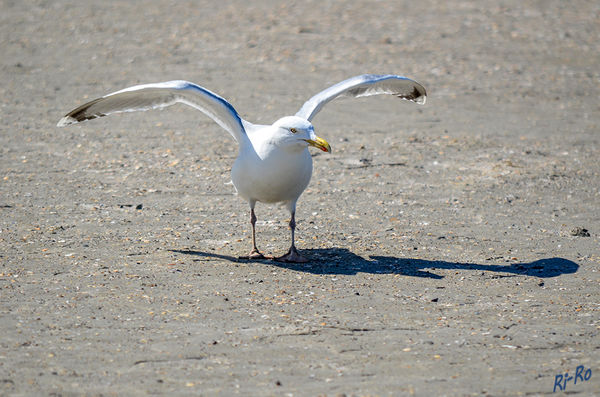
(292,256)
(255,255)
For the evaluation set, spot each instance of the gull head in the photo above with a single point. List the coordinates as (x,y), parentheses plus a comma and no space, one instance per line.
(296,132)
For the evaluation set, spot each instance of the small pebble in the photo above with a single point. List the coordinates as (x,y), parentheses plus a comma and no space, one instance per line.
(580,232)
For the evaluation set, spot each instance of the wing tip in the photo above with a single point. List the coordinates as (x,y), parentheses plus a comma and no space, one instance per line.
(418,94)
(67,120)
(422,98)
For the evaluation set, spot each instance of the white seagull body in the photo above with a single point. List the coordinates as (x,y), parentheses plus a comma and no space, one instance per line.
(273,163)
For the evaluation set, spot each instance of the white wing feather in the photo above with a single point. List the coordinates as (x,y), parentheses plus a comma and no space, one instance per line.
(365,85)
(159,95)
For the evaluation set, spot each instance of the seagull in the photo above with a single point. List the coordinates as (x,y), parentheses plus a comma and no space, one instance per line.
(273,163)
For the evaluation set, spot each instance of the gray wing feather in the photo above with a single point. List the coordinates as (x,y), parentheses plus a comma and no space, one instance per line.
(365,85)
(157,96)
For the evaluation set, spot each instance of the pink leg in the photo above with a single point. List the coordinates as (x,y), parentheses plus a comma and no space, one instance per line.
(292,256)
(255,253)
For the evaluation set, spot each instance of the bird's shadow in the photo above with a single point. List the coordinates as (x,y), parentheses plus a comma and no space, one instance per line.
(344,262)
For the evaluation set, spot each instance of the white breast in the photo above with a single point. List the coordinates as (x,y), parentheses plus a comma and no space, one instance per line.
(268,174)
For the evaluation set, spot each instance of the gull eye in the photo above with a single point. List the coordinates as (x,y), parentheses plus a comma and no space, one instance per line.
(293,130)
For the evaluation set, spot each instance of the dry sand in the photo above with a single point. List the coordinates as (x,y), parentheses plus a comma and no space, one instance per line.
(441,237)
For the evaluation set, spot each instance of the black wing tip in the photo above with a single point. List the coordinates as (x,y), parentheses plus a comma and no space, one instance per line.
(418,95)
(78,115)
(74,119)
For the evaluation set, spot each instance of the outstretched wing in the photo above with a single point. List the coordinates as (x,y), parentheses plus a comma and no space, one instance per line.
(365,85)
(157,96)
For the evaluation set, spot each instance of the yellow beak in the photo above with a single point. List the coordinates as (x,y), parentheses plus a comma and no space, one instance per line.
(319,143)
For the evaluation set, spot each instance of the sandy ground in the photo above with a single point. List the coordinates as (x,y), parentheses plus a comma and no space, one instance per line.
(444,260)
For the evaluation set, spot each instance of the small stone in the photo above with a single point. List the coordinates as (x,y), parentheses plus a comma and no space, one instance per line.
(580,232)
